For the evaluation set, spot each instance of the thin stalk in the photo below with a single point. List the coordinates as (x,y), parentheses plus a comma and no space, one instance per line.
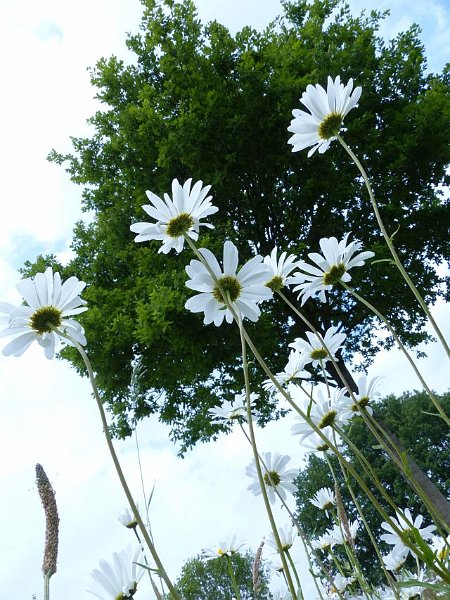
(402,348)
(47,586)
(262,483)
(234,583)
(391,247)
(137,516)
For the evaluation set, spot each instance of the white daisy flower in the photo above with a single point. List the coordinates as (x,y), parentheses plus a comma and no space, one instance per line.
(324,499)
(362,398)
(49,304)
(232,411)
(395,559)
(127,519)
(320,350)
(406,524)
(339,535)
(176,216)
(223,549)
(280,269)
(287,537)
(314,444)
(243,289)
(327,109)
(276,477)
(295,369)
(329,269)
(323,542)
(120,580)
(323,412)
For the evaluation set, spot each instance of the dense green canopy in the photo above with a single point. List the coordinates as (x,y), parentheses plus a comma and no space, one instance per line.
(199,102)
(210,580)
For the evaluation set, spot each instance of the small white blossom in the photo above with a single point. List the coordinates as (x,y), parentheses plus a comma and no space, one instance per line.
(275,475)
(243,289)
(49,304)
(287,537)
(334,266)
(225,548)
(324,499)
(280,269)
(320,349)
(120,580)
(405,523)
(176,216)
(327,109)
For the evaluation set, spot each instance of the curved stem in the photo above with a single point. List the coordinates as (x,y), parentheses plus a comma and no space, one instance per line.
(392,250)
(402,348)
(126,489)
(234,583)
(262,483)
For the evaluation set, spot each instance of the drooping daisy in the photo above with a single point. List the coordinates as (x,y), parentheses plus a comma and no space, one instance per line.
(243,289)
(120,580)
(232,411)
(176,216)
(295,369)
(323,542)
(227,548)
(405,523)
(287,537)
(327,109)
(324,499)
(320,349)
(127,519)
(334,266)
(276,477)
(49,303)
(280,269)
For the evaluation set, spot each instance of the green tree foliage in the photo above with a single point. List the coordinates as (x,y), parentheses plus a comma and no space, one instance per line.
(210,580)
(199,102)
(422,434)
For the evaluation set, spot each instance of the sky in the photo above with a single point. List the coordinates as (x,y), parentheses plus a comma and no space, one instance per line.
(47,414)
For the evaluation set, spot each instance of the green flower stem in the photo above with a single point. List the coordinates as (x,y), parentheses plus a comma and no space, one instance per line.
(342,522)
(391,247)
(234,583)
(262,483)
(47,586)
(306,544)
(137,516)
(402,348)
(294,569)
(365,415)
(396,456)
(319,335)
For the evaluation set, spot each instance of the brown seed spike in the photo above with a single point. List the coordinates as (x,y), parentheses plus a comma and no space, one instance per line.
(47,496)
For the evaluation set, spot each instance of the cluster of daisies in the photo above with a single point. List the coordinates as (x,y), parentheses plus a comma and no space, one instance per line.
(227,291)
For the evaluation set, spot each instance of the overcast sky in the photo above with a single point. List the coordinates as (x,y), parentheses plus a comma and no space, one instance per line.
(46,412)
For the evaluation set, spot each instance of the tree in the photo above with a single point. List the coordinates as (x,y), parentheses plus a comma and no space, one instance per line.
(201,103)
(210,580)
(424,435)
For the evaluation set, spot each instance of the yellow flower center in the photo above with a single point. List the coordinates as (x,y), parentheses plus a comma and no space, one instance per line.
(334,274)
(42,319)
(318,354)
(330,126)
(272,479)
(230,286)
(275,284)
(179,225)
